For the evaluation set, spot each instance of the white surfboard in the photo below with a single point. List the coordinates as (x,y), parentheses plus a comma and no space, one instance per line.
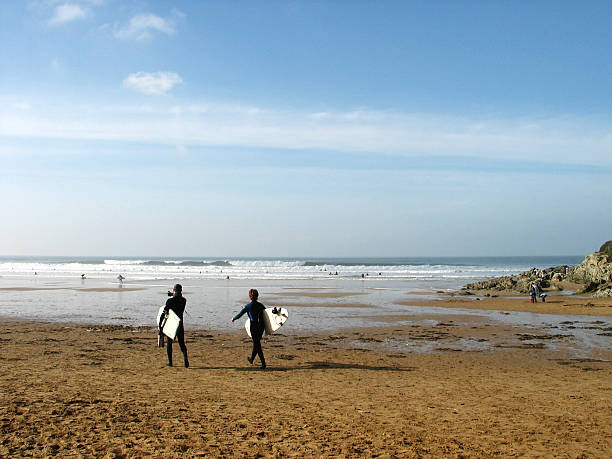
(171,323)
(274,318)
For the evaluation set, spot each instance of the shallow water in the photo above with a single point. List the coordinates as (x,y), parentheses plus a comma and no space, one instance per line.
(316,305)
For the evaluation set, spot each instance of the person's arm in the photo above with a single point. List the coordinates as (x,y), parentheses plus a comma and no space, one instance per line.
(241,313)
(164,313)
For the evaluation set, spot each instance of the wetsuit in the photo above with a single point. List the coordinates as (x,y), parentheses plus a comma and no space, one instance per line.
(533,293)
(177,304)
(255,311)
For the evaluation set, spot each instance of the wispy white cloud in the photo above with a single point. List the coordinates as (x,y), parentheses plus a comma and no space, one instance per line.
(22,105)
(554,140)
(61,12)
(157,83)
(142,26)
(67,12)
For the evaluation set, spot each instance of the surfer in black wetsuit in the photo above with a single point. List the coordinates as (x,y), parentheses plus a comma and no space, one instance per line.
(177,304)
(255,311)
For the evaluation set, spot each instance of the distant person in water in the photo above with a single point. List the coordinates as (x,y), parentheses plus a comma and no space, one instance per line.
(83,276)
(120,278)
(177,303)
(255,311)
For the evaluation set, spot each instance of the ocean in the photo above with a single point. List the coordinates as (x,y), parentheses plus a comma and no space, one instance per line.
(443,269)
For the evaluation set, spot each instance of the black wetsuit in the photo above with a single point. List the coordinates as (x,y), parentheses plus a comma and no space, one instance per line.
(255,311)
(177,304)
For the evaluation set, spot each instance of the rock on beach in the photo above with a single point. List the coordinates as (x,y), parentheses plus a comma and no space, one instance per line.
(592,276)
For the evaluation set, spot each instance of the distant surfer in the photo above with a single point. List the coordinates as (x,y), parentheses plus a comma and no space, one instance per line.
(177,304)
(83,276)
(120,278)
(255,311)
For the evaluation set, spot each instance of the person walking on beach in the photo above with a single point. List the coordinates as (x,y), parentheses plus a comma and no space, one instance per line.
(255,311)
(177,304)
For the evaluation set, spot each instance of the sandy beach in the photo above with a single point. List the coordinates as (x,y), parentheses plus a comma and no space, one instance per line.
(105,391)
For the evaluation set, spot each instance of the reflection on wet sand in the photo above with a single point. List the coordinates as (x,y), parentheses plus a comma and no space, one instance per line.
(321,305)
(311,294)
(555,304)
(98,289)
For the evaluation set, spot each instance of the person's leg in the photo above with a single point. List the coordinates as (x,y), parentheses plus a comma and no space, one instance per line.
(180,336)
(169,351)
(257,350)
(260,353)
(254,351)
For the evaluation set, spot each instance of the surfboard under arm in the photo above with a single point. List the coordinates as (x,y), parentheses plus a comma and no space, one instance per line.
(170,324)
(274,318)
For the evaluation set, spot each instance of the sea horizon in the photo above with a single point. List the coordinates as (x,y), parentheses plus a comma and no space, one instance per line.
(269,257)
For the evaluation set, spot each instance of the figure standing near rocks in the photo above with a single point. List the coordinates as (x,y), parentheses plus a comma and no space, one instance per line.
(533,293)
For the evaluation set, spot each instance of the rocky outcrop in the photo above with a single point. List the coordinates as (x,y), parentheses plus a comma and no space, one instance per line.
(593,275)
(520,283)
(595,272)
(606,249)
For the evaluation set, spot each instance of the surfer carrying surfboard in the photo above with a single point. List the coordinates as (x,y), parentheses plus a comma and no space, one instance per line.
(255,311)
(177,304)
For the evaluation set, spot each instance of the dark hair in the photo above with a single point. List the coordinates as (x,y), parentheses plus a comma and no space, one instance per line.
(178,288)
(253,294)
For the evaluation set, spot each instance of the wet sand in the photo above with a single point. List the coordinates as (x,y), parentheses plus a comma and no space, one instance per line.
(105,391)
(311,294)
(555,304)
(285,304)
(93,289)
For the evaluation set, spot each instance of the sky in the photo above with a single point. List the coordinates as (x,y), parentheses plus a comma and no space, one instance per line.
(305,128)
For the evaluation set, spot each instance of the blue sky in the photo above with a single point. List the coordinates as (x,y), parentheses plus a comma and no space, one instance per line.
(305,128)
